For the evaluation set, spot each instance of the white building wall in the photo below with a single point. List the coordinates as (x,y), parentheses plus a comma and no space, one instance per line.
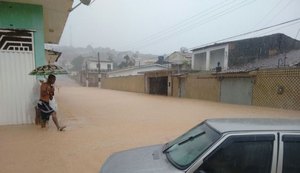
(208,54)
(133,71)
(92,65)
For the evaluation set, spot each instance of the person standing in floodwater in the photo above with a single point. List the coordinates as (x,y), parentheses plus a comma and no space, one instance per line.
(46,94)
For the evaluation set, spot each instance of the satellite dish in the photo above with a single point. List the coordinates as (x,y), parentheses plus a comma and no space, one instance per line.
(85,2)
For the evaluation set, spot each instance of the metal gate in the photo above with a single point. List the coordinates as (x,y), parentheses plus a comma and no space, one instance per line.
(16,86)
(236,90)
(159,85)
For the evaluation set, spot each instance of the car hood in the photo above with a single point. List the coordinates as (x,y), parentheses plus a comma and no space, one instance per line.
(141,160)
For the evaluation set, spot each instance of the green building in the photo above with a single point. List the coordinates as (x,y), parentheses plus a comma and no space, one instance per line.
(25,26)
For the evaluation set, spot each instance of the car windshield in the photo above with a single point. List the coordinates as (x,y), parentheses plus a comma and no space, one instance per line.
(187,148)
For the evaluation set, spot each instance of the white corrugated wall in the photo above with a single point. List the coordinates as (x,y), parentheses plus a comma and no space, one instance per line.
(16,87)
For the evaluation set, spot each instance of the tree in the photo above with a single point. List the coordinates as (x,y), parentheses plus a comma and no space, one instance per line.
(77,63)
(184,50)
(127,63)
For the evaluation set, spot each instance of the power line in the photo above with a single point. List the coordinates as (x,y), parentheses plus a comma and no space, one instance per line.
(169,34)
(263,18)
(191,26)
(183,22)
(251,32)
(278,28)
(280,11)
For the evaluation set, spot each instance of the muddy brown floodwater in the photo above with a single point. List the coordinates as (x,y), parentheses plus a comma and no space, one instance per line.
(100,122)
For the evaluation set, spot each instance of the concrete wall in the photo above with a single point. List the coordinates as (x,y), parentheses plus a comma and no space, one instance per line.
(175,87)
(126,83)
(279,88)
(29,17)
(203,87)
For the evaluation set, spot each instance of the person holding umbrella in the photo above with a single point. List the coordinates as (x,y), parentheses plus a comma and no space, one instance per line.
(46,94)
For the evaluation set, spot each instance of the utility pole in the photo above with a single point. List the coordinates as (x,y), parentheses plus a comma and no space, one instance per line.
(99,70)
(86,74)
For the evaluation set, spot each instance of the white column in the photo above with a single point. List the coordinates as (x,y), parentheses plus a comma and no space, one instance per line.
(193,61)
(207,60)
(226,57)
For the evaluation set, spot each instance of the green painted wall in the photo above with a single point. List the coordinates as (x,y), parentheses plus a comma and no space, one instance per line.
(25,16)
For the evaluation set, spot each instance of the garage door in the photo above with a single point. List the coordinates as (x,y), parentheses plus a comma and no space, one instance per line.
(236,91)
(16,86)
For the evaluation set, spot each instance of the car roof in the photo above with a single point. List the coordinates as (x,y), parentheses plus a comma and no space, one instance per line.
(253,124)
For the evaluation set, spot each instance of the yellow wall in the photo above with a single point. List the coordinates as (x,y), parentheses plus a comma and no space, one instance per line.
(207,87)
(128,83)
(204,87)
(266,86)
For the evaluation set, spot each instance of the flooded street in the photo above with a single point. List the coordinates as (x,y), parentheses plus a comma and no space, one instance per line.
(100,122)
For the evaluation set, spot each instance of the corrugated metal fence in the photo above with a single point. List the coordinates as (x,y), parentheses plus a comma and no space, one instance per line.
(16,87)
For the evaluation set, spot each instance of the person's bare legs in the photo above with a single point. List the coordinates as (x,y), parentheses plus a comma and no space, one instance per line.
(43,123)
(54,118)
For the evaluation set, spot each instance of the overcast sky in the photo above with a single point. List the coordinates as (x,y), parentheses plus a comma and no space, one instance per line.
(163,26)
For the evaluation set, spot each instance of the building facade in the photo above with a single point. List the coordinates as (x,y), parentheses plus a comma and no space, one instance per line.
(92,65)
(25,25)
(179,60)
(236,54)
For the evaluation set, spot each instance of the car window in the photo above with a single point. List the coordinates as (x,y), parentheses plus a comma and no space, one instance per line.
(242,154)
(291,154)
(188,147)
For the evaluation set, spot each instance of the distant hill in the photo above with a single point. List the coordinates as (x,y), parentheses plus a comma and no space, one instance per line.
(69,53)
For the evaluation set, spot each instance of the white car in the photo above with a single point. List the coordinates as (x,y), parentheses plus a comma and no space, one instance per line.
(219,146)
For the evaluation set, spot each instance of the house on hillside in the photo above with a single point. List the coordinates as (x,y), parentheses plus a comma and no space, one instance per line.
(145,61)
(91,65)
(161,60)
(25,25)
(93,69)
(179,60)
(234,54)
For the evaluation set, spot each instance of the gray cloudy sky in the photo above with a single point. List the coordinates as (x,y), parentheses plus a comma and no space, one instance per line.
(163,26)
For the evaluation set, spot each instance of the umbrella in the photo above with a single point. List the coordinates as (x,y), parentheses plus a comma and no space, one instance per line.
(48,69)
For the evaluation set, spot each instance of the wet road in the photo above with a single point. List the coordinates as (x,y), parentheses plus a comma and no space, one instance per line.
(100,122)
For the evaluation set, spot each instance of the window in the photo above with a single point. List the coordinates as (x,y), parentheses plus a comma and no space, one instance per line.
(241,154)
(291,154)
